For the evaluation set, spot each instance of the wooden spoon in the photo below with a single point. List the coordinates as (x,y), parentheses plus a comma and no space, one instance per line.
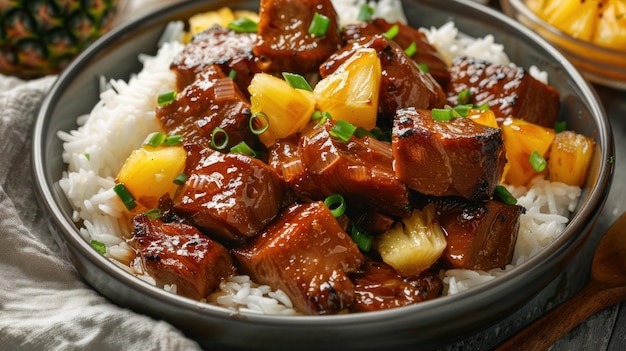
(606,287)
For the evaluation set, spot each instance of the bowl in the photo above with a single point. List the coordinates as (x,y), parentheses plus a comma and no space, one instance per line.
(42,38)
(599,64)
(429,324)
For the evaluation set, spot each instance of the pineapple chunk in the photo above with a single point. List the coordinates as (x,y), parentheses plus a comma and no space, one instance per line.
(287,109)
(574,17)
(414,244)
(149,172)
(205,20)
(351,92)
(484,117)
(569,158)
(611,31)
(521,139)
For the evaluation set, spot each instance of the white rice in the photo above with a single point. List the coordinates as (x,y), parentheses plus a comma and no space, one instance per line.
(125,115)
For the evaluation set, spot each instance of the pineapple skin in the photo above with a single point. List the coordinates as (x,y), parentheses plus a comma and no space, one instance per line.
(40,37)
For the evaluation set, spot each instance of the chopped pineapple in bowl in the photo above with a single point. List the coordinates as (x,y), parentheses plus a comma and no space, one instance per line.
(591,33)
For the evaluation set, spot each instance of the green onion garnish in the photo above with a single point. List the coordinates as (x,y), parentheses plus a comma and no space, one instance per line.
(366,12)
(502,194)
(483,107)
(180,179)
(166,98)
(392,32)
(560,126)
(261,130)
(127,198)
(361,132)
(360,237)
(243,25)
(464,97)
(155,139)
(381,135)
(462,110)
(336,204)
(537,161)
(316,115)
(342,130)
(99,246)
(215,135)
(297,81)
(411,50)
(243,148)
(232,74)
(423,67)
(88,156)
(442,114)
(173,140)
(153,213)
(319,25)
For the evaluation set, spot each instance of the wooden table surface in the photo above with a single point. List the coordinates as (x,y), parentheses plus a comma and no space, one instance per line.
(605,330)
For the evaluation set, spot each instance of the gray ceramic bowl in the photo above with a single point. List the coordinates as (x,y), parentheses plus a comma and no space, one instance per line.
(429,324)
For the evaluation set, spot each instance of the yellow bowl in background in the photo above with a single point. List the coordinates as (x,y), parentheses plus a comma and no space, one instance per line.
(600,65)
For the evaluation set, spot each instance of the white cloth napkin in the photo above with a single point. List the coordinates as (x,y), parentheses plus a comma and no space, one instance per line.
(44,304)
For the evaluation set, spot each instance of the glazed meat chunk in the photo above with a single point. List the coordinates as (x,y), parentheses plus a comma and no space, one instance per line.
(458,157)
(480,236)
(425,53)
(211,101)
(403,83)
(509,91)
(232,196)
(360,169)
(378,287)
(220,46)
(178,253)
(284,158)
(285,42)
(306,254)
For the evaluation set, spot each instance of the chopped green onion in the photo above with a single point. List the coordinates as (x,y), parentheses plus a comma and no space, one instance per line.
(127,198)
(464,97)
(366,12)
(243,148)
(166,98)
(88,156)
(462,110)
(342,130)
(560,126)
(243,25)
(381,135)
(316,115)
(336,204)
(261,130)
(173,140)
(483,107)
(321,117)
(360,237)
(232,74)
(319,25)
(502,194)
(423,67)
(99,246)
(214,138)
(155,139)
(361,132)
(297,81)
(442,114)
(411,49)
(153,213)
(392,32)
(180,179)
(537,161)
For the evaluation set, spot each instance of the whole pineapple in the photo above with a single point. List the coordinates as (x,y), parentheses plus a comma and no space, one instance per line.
(39,37)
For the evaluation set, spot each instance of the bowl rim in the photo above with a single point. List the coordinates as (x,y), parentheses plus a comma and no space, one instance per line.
(520,6)
(72,238)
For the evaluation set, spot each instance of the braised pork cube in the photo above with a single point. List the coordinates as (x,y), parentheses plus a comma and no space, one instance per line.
(509,91)
(306,254)
(284,158)
(211,101)
(285,43)
(178,253)
(403,83)
(480,236)
(425,54)
(378,287)
(458,157)
(220,46)
(360,169)
(232,196)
